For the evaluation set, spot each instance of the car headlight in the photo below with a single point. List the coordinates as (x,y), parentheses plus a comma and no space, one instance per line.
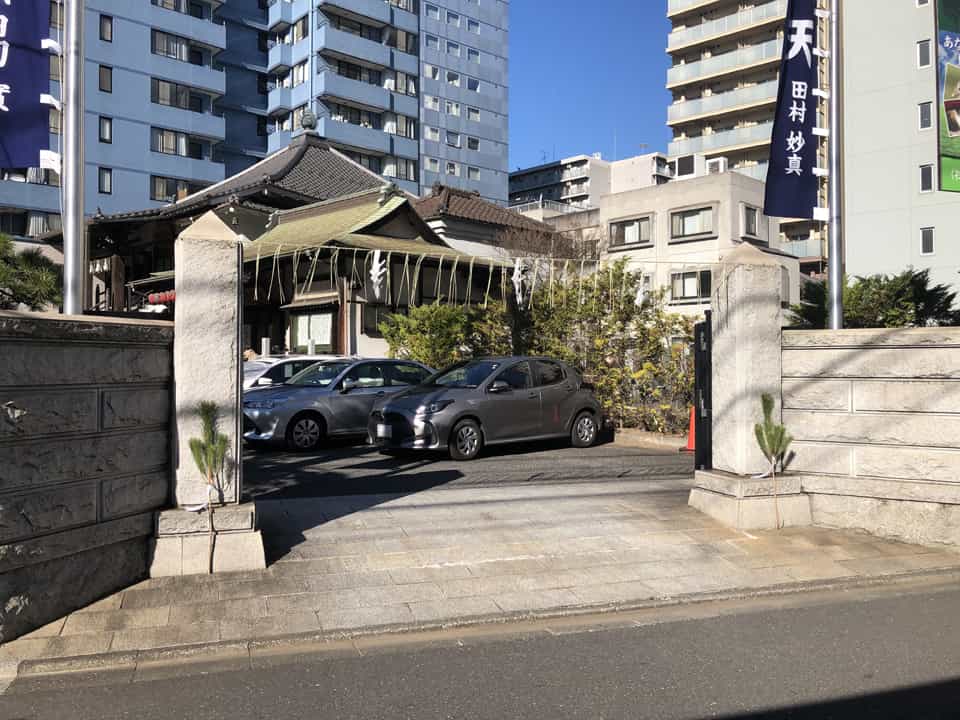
(265,404)
(434,407)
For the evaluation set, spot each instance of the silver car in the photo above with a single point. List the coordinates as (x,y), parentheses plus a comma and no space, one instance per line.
(486,402)
(327,399)
(266,371)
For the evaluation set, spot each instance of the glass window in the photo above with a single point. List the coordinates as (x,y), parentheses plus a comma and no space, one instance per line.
(473,84)
(751,218)
(106,129)
(473,173)
(453,108)
(473,26)
(690,286)
(453,78)
(473,114)
(367,375)
(926,178)
(453,19)
(431,72)
(432,43)
(549,373)
(431,103)
(106,79)
(466,375)
(473,55)
(630,232)
(56,17)
(473,143)
(689,223)
(433,12)
(453,48)
(517,376)
(926,115)
(923,53)
(453,139)
(407,374)
(321,374)
(105,181)
(106,28)
(432,134)
(432,164)
(926,241)
(453,169)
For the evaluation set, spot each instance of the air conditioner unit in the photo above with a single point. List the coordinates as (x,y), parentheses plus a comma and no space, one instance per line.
(715,166)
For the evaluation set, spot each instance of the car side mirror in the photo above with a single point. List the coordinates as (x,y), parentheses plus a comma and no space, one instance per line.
(500,386)
(347,385)
(264,381)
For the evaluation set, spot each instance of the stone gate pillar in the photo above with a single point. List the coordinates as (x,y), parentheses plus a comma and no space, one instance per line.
(747,320)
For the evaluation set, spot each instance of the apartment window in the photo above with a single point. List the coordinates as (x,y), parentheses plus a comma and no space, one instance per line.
(453,108)
(56,14)
(453,78)
(404,127)
(105,181)
(473,84)
(453,169)
(400,168)
(354,116)
(431,72)
(473,114)
(165,189)
(473,55)
(171,46)
(402,40)
(923,54)
(691,223)
(473,143)
(690,286)
(163,92)
(926,241)
(453,139)
(106,129)
(432,134)
(406,84)
(926,178)
(473,26)
(431,164)
(432,42)
(171,142)
(921,3)
(926,115)
(473,173)
(54,121)
(453,48)
(106,28)
(433,12)
(636,231)
(453,19)
(300,30)
(408,5)
(751,221)
(431,103)
(106,79)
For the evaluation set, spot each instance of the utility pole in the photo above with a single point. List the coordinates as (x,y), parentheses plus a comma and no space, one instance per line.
(74,222)
(835,259)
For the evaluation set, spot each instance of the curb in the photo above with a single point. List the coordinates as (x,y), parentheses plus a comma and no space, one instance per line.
(245,650)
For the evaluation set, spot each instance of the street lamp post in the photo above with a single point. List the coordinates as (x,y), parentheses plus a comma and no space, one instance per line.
(835,261)
(74,225)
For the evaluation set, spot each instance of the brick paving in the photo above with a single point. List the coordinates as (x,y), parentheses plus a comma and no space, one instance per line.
(452,554)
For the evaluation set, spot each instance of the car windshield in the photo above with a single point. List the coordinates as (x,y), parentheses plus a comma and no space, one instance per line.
(467,375)
(319,375)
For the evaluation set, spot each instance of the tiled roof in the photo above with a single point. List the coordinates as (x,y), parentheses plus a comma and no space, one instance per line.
(305,171)
(465,205)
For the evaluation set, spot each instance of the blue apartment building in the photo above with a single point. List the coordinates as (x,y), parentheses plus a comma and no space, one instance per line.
(181,94)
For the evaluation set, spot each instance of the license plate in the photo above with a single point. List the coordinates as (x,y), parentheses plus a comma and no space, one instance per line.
(384,431)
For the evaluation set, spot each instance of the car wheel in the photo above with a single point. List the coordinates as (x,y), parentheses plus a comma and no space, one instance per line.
(305,432)
(584,431)
(466,440)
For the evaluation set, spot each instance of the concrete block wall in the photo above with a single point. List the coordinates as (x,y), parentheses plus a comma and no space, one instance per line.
(876,419)
(85,416)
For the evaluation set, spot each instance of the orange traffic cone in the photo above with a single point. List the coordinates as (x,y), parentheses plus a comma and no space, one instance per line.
(691,434)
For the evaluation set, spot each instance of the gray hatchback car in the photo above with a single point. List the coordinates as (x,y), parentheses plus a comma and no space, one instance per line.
(326,399)
(489,401)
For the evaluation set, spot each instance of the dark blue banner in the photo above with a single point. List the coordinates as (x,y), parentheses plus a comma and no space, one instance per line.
(792,186)
(24,77)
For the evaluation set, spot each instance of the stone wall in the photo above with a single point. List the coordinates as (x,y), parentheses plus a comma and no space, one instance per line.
(85,415)
(876,419)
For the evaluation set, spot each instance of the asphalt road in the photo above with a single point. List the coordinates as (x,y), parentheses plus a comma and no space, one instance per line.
(866,653)
(346,468)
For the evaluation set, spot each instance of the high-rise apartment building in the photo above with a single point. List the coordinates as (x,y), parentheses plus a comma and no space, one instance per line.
(152,127)
(894,214)
(183,93)
(414,90)
(723,80)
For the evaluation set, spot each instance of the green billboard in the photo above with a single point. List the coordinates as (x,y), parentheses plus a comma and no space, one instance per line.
(948,92)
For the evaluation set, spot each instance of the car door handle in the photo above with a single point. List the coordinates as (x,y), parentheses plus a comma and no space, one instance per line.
(381,393)
(533,396)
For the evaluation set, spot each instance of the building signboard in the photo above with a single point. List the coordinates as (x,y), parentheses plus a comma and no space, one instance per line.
(948,93)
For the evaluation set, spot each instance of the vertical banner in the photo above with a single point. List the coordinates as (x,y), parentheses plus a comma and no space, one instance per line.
(24,77)
(948,93)
(792,186)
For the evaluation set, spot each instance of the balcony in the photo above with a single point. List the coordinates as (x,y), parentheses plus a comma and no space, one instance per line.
(356,136)
(346,45)
(204,171)
(280,58)
(201,77)
(753,135)
(712,29)
(757,172)
(805,248)
(201,124)
(284,12)
(278,101)
(675,7)
(30,196)
(199,30)
(376,11)
(332,85)
(722,64)
(722,102)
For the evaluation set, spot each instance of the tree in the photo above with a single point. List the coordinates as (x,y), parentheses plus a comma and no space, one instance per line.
(881,301)
(210,456)
(774,442)
(27,278)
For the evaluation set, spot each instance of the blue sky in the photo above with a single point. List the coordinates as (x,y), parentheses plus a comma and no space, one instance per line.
(581,72)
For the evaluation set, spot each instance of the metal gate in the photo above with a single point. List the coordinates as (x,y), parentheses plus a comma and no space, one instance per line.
(703,394)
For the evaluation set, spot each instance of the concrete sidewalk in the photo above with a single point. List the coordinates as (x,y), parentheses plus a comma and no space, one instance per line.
(453,555)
